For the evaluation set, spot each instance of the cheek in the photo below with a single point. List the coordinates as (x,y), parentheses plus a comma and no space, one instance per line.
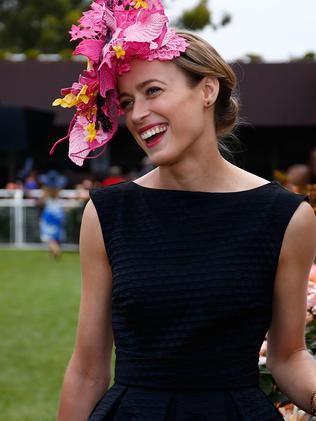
(188,117)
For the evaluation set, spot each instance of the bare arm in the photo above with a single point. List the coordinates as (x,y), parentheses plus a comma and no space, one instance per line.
(88,373)
(292,366)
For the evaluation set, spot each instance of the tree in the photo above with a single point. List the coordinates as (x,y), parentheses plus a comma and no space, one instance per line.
(35,26)
(38,24)
(201,16)
(308,57)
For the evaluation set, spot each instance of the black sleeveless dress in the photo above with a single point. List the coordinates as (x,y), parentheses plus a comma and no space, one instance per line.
(193,276)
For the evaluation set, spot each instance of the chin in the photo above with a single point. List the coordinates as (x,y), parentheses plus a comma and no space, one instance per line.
(163,158)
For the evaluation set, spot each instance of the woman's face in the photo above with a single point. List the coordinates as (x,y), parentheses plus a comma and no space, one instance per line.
(165,116)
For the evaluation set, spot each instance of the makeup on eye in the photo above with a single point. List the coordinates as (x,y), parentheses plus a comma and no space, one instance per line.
(125,104)
(150,91)
(153,89)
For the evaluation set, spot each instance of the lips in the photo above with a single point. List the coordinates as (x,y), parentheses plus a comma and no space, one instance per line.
(153,141)
(150,126)
(151,134)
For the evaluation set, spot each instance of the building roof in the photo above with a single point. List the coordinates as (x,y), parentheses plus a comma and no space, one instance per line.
(280,94)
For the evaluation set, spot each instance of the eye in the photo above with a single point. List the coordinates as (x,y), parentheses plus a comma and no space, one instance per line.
(153,90)
(126,104)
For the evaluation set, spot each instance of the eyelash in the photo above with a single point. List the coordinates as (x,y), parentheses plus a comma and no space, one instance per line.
(152,89)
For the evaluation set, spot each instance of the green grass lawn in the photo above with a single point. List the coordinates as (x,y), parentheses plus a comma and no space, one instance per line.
(39,304)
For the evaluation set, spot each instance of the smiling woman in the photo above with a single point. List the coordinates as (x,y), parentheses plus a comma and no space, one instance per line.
(186,268)
(165,115)
(200,67)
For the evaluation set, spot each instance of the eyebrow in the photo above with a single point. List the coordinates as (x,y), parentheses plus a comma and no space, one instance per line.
(142,85)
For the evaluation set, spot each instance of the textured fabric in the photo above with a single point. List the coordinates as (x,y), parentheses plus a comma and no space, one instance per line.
(192,276)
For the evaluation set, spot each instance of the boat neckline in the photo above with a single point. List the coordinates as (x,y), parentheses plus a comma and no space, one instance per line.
(205,192)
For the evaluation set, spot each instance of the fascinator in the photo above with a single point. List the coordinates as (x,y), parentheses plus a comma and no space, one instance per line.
(112,33)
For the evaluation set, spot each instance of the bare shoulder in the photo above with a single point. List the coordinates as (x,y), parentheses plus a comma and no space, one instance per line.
(303,222)
(91,237)
(299,242)
(303,219)
(90,213)
(90,221)
(95,266)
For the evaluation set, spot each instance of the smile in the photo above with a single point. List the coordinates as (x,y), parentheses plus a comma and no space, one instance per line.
(148,134)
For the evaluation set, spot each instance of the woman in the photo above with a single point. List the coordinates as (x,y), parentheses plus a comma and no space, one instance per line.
(187,267)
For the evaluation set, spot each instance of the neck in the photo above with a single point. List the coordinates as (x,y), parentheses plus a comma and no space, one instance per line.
(206,172)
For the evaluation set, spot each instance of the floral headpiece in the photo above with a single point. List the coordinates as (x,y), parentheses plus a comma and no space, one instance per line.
(112,33)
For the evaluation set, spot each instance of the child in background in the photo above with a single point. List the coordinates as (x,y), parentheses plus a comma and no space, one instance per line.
(52,216)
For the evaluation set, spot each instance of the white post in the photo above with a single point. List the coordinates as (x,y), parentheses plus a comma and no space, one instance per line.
(18,218)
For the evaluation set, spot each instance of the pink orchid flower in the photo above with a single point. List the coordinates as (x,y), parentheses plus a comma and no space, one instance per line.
(147,29)
(90,48)
(79,144)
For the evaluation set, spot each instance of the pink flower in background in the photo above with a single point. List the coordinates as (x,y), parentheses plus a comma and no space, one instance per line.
(312,274)
(292,413)
(311,293)
(311,299)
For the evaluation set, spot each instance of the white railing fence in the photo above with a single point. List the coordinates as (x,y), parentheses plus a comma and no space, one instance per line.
(20,211)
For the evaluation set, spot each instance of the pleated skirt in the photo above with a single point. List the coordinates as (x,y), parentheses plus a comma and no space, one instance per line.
(131,403)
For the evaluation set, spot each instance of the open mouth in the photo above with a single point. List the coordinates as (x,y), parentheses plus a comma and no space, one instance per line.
(152,136)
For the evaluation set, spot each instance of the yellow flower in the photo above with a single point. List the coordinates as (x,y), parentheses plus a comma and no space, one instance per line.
(91,112)
(92,133)
(70,100)
(82,95)
(140,3)
(119,51)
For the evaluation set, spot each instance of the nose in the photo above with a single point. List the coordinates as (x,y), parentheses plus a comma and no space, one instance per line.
(140,111)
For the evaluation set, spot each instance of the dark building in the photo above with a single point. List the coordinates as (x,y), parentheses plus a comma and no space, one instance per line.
(278,114)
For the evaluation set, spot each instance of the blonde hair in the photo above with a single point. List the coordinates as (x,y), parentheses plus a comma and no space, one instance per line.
(201,60)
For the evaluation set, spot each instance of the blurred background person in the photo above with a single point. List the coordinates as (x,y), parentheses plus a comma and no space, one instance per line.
(114,176)
(82,189)
(14,185)
(297,177)
(52,217)
(312,165)
(31,182)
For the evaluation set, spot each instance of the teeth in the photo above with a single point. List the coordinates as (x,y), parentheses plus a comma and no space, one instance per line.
(149,133)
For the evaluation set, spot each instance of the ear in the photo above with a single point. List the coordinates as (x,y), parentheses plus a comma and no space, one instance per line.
(210,89)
